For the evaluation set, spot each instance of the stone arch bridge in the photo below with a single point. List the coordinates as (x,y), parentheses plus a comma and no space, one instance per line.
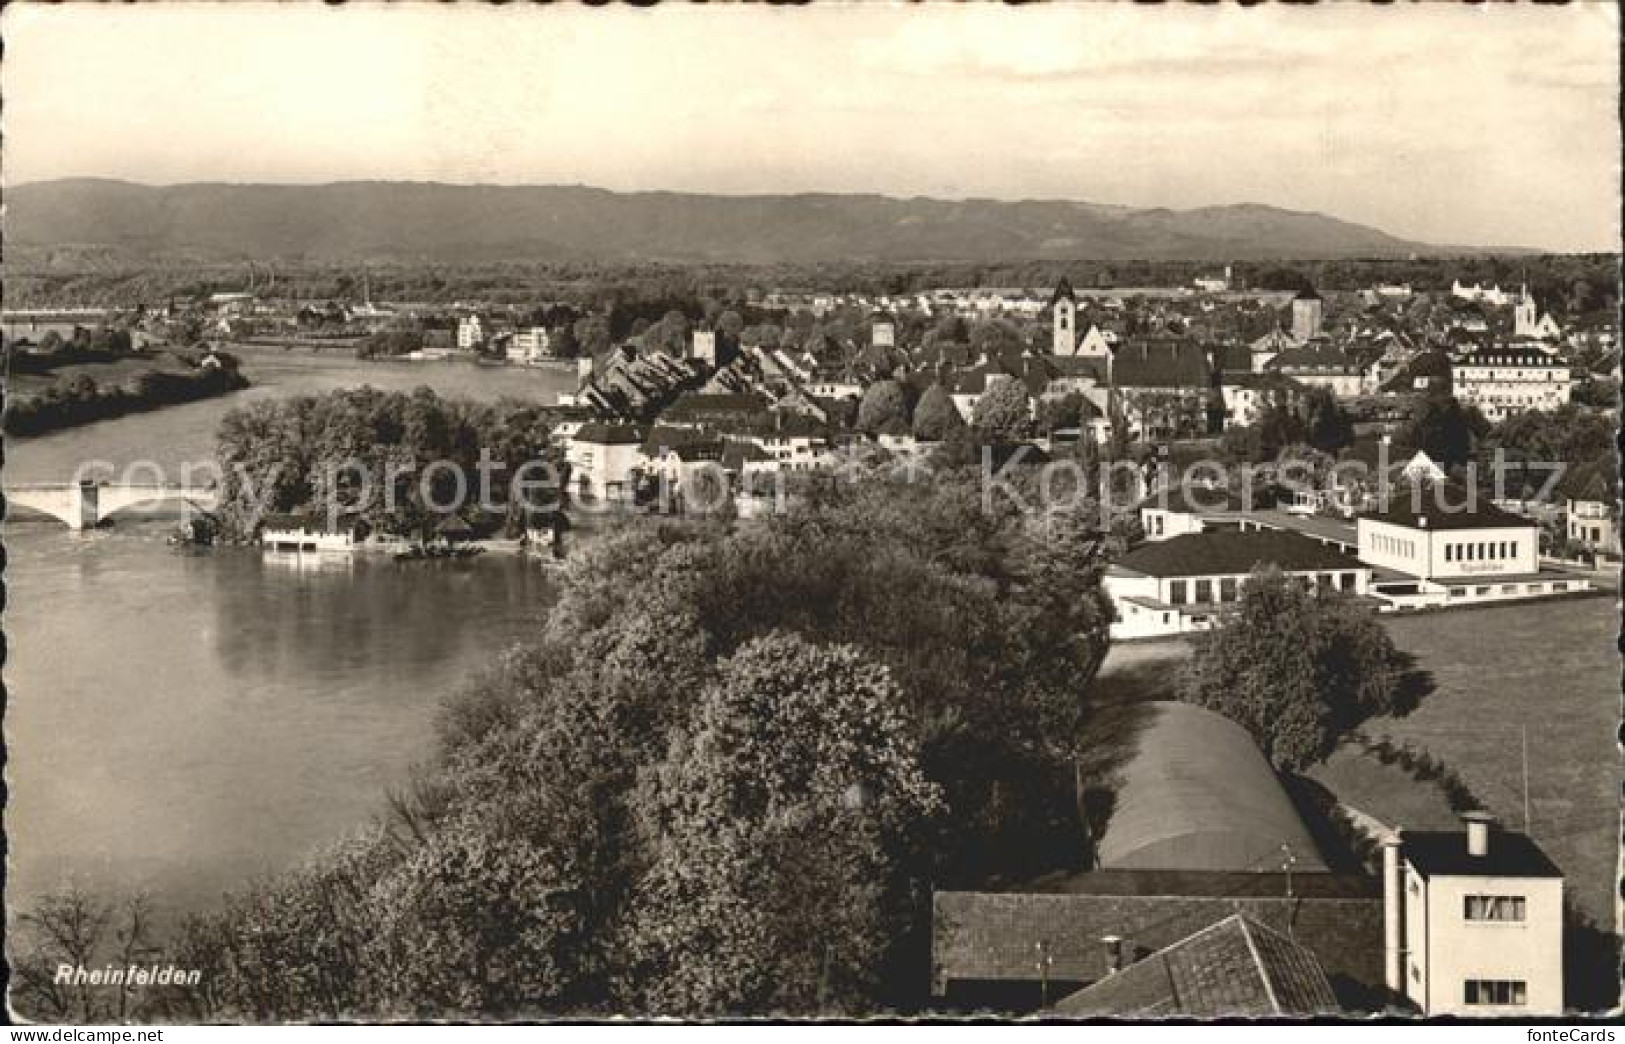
(85,505)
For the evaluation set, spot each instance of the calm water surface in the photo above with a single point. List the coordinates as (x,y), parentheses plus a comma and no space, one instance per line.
(180,721)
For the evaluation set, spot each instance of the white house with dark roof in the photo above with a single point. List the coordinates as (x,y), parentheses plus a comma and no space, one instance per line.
(1319,364)
(602,459)
(1591,523)
(1188,582)
(1436,544)
(1505,379)
(1474,922)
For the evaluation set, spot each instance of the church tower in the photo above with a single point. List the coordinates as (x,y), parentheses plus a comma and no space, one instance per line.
(1525,317)
(1306,315)
(1064,309)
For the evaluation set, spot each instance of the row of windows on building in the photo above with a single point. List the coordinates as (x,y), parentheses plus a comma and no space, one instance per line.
(1557,587)
(1228,588)
(1497,991)
(1393,545)
(1481,551)
(1487,992)
(1475,373)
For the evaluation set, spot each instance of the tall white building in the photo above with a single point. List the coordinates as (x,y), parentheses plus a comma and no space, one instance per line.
(882,332)
(470,333)
(1504,379)
(1473,923)
(704,346)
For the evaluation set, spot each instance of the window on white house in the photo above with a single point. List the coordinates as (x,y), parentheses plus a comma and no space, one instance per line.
(1497,991)
(1493,907)
(1177,592)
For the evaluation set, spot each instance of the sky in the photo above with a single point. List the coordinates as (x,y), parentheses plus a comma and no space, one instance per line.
(1482,125)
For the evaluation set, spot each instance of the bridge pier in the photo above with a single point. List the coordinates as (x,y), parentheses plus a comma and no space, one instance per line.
(86,513)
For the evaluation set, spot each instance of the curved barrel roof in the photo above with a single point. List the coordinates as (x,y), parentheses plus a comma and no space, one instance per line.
(1199,795)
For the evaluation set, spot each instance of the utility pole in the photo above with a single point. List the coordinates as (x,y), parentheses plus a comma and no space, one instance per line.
(1524,730)
(1044,962)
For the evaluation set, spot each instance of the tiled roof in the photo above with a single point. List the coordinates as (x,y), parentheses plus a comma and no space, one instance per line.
(694,406)
(609,434)
(737,453)
(1526,356)
(1277,340)
(992,937)
(1316,358)
(1161,362)
(1232,554)
(1236,967)
(1077,366)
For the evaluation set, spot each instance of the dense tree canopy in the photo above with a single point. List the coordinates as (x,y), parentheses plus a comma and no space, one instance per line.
(393,457)
(1442,427)
(884,409)
(1003,413)
(1299,668)
(935,416)
(722,777)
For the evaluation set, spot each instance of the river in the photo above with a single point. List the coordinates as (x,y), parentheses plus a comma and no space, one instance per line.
(181,721)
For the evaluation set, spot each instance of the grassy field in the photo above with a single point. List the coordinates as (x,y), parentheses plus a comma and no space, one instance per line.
(105,374)
(1549,668)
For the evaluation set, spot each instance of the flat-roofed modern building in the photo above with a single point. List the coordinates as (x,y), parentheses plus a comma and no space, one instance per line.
(1186,583)
(1445,532)
(1435,545)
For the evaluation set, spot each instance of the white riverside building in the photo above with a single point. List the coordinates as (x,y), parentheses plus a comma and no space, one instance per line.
(530,345)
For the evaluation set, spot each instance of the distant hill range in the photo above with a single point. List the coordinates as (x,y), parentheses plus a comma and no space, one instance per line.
(410,221)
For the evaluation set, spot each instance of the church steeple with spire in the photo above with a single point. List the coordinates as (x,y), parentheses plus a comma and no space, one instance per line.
(1064,317)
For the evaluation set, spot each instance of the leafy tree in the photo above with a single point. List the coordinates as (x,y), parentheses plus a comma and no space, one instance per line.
(884,409)
(1002,414)
(1066,411)
(1298,668)
(936,415)
(784,821)
(1438,425)
(1326,426)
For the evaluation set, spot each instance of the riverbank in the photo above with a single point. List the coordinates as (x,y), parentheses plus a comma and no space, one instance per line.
(175,437)
(85,393)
